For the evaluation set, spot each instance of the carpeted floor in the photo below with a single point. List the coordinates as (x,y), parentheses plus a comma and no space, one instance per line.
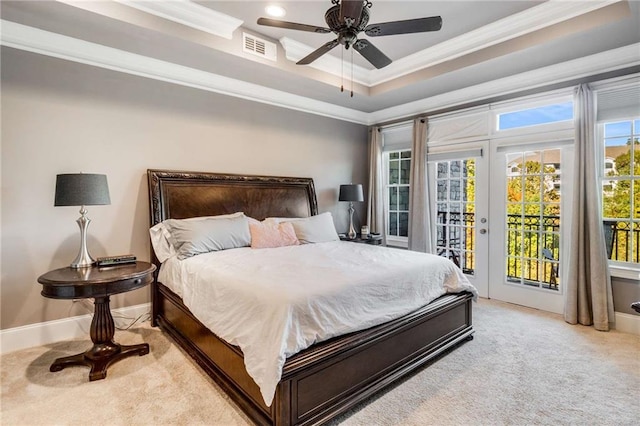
(524,367)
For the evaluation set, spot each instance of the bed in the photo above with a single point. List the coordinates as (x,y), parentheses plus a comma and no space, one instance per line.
(326,378)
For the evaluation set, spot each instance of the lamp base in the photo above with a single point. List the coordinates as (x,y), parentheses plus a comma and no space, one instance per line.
(83,259)
(352,231)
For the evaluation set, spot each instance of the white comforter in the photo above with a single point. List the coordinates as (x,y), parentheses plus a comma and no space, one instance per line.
(273,303)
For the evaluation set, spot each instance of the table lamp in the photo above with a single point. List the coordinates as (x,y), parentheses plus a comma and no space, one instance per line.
(79,189)
(351,193)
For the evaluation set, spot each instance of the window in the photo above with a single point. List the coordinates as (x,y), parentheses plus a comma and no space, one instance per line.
(398,164)
(544,114)
(620,179)
(532,221)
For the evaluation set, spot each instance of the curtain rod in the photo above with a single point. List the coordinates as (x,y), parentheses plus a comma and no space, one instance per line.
(589,79)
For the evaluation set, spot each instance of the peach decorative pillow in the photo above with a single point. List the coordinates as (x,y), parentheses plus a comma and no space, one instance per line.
(270,235)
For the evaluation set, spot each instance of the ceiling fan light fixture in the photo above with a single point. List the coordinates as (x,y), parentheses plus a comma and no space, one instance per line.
(275,11)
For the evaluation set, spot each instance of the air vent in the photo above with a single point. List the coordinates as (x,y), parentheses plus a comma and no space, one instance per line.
(258,47)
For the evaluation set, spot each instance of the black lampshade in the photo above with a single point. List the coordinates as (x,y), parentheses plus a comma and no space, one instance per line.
(80,189)
(351,192)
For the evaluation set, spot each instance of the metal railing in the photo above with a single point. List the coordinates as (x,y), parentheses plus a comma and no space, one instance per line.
(620,246)
(533,249)
(533,244)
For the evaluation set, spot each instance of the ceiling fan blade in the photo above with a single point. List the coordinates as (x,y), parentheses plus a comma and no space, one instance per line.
(318,52)
(420,25)
(371,53)
(292,26)
(350,12)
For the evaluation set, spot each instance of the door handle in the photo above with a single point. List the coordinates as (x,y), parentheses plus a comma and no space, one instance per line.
(483,231)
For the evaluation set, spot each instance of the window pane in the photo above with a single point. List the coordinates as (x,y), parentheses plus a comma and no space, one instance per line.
(621,128)
(394,172)
(469,190)
(532,163)
(443,170)
(636,199)
(393,223)
(405,154)
(405,171)
(393,198)
(454,190)
(442,190)
(394,155)
(514,189)
(403,219)
(455,168)
(532,209)
(532,188)
(534,116)
(514,209)
(617,203)
(514,164)
(551,209)
(403,198)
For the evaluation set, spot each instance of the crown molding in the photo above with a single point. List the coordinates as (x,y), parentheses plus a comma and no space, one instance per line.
(47,43)
(191,14)
(611,60)
(51,44)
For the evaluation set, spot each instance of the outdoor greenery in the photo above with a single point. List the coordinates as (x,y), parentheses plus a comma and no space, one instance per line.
(533,221)
(617,202)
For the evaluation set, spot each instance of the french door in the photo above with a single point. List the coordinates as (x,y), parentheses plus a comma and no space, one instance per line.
(459,202)
(530,192)
(497,215)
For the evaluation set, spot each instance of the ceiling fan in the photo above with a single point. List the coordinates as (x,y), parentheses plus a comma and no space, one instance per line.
(347,18)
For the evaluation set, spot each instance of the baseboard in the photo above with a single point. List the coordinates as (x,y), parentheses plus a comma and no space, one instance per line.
(628,323)
(48,332)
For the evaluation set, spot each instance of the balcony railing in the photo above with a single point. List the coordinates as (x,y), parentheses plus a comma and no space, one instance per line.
(617,236)
(533,249)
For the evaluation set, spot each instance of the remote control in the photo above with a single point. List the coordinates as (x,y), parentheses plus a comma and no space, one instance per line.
(116,260)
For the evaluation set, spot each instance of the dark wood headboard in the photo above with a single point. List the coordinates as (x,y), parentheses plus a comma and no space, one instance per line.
(180,195)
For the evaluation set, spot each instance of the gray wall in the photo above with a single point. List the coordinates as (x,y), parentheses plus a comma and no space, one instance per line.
(625,292)
(62,117)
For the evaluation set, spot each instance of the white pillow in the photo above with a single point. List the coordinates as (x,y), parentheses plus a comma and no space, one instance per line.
(161,235)
(315,229)
(190,238)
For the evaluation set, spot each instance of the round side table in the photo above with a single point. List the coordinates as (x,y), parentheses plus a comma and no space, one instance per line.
(98,283)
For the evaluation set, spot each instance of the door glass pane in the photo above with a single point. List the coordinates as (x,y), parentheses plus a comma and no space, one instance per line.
(405,167)
(403,224)
(532,222)
(393,223)
(394,166)
(455,224)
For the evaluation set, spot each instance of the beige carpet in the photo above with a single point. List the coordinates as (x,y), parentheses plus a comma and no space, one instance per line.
(524,367)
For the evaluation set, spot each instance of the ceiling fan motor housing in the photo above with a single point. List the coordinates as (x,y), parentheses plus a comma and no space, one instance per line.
(332,17)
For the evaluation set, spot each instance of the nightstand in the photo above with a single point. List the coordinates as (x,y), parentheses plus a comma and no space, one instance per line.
(99,284)
(373,241)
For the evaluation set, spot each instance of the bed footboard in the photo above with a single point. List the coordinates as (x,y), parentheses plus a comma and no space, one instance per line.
(328,378)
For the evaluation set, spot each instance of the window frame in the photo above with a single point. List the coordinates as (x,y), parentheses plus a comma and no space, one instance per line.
(528,103)
(629,270)
(393,240)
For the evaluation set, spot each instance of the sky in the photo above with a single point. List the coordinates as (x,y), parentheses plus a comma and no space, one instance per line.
(539,115)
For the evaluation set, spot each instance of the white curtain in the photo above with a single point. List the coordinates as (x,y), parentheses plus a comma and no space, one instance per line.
(375,200)
(419,214)
(589,297)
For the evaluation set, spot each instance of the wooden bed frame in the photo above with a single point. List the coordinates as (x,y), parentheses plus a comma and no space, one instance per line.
(328,378)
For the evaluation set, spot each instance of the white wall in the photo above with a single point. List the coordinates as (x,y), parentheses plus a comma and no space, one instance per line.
(62,117)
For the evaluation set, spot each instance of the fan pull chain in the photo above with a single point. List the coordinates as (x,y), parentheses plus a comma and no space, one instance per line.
(341,70)
(352,73)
